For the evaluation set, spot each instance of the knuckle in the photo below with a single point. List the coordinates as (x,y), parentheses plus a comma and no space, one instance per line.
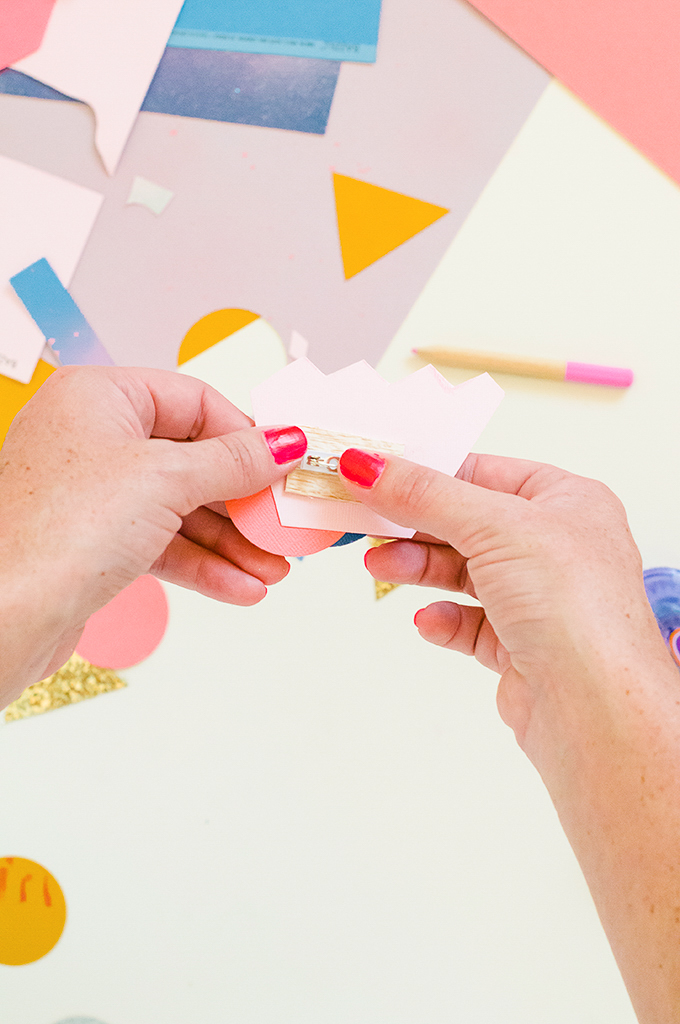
(415,490)
(242,461)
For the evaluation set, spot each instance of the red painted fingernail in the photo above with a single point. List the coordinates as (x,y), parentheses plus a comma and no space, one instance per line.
(415,617)
(285,443)
(361,467)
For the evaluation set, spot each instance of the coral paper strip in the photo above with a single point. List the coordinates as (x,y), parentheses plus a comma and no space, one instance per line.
(619,56)
(105,54)
(58,316)
(373,221)
(22,27)
(40,215)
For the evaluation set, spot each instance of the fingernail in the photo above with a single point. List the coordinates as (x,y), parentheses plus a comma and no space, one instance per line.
(285,443)
(415,617)
(361,467)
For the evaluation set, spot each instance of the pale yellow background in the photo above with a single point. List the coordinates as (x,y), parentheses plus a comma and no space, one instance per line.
(302,813)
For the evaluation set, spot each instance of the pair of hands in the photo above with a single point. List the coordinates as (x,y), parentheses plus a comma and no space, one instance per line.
(96,488)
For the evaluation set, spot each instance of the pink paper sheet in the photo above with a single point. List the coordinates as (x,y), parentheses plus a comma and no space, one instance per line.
(437,423)
(104,53)
(22,26)
(619,56)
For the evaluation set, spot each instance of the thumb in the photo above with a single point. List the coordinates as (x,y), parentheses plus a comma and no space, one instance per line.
(423,499)
(233,465)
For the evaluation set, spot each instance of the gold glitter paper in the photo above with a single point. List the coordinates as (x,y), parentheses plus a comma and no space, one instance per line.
(77,680)
(381,589)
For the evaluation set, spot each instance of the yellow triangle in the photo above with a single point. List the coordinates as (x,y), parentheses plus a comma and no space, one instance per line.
(77,680)
(213,328)
(13,395)
(373,221)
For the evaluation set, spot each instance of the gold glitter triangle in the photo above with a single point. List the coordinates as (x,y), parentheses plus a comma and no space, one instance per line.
(77,680)
(381,589)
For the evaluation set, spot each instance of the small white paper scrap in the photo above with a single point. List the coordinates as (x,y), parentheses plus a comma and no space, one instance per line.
(298,346)
(147,193)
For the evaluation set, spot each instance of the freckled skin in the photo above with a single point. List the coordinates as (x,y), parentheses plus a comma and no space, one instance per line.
(134,467)
(586,681)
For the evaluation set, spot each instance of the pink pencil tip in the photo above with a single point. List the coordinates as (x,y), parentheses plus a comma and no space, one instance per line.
(591,373)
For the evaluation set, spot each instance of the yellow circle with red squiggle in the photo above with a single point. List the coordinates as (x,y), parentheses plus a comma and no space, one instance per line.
(32,911)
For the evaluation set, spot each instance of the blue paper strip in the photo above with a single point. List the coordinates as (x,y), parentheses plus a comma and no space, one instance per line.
(257,89)
(327,29)
(271,92)
(58,317)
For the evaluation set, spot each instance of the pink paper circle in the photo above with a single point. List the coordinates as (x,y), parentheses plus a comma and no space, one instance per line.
(257,519)
(129,628)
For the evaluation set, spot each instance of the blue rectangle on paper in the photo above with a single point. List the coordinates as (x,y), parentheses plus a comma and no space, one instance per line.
(326,29)
(58,316)
(245,88)
(257,89)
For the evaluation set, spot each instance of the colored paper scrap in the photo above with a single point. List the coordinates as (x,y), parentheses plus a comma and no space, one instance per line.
(245,88)
(104,54)
(32,911)
(271,92)
(373,221)
(298,346)
(619,56)
(129,628)
(58,317)
(257,519)
(77,680)
(437,423)
(212,328)
(40,215)
(432,118)
(342,30)
(22,27)
(147,193)
(381,588)
(13,395)
(234,351)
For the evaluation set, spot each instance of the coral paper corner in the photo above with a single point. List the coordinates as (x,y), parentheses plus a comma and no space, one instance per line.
(618,56)
(22,27)
(437,422)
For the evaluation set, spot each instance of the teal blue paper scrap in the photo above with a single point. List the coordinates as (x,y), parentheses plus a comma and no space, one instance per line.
(327,29)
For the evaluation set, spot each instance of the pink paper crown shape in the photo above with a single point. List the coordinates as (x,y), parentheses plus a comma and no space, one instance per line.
(437,423)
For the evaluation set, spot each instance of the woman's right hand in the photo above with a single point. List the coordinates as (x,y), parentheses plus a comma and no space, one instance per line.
(548,555)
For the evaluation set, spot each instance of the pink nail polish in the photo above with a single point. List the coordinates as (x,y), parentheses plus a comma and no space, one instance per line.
(361,467)
(285,443)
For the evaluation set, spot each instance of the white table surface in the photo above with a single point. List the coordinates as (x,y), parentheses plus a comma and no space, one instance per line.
(303,813)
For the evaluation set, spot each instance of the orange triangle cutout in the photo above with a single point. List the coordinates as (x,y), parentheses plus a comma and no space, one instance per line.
(373,221)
